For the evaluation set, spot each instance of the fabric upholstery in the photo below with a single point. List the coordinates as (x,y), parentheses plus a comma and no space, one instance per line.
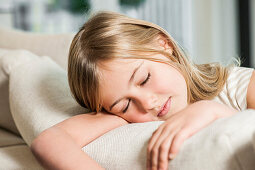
(6,120)
(47,99)
(224,145)
(54,45)
(18,157)
(8,60)
(9,139)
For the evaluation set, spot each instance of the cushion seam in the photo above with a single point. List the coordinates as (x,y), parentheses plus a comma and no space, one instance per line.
(5,146)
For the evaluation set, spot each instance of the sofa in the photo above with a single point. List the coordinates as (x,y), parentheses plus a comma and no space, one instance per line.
(34,95)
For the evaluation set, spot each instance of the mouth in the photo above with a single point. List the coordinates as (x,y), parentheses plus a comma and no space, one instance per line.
(165,108)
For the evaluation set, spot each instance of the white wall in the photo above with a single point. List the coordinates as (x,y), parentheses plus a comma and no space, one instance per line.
(202,31)
(214,30)
(112,5)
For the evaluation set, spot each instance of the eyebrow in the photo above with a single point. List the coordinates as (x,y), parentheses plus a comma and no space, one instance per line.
(130,80)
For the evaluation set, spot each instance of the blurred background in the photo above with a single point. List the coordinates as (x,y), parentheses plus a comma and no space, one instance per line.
(210,30)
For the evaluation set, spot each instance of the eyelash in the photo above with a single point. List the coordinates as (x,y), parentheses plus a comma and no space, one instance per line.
(124,111)
(143,83)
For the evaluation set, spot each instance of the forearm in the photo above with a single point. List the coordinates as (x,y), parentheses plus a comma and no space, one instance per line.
(212,108)
(85,128)
(219,110)
(61,152)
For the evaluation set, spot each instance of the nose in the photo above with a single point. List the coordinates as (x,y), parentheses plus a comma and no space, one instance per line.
(148,101)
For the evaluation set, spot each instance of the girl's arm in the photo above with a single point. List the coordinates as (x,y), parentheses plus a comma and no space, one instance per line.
(168,138)
(59,147)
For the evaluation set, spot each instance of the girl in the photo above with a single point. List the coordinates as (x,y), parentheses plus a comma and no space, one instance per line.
(127,70)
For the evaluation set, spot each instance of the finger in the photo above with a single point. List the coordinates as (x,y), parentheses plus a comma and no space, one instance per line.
(163,152)
(177,142)
(148,163)
(154,154)
(151,143)
(154,137)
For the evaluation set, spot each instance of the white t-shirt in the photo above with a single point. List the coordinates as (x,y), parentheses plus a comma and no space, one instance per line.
(235,89)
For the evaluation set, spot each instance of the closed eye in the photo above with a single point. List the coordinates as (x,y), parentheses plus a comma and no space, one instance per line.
(143,83)
(125,110)
(146,80)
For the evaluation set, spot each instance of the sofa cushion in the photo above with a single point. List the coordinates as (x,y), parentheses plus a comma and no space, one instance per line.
(8,60)
(55,46)
(40,97)
(224,145)
(18,157)
(8,139)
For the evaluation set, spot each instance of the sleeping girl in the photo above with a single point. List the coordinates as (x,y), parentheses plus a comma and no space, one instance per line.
(127,70)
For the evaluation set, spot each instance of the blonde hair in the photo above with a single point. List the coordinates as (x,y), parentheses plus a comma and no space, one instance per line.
(107,36)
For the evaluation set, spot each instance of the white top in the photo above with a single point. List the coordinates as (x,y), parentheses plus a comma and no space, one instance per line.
(235,89)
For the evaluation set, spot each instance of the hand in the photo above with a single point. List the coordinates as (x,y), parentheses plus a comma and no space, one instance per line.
(168,138)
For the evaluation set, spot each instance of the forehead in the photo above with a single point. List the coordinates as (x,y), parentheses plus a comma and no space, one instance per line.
(111,69)
(115,76)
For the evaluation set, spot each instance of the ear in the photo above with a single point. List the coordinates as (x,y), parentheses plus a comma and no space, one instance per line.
(164,44)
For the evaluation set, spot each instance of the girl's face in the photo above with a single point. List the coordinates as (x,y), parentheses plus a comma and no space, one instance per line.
(141,90)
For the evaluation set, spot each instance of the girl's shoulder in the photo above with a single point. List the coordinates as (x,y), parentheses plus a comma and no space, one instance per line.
(239,76)
(238,70)
(234,91)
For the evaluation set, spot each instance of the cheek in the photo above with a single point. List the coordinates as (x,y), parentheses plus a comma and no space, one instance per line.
(161,86)
(169,80)
(162,82)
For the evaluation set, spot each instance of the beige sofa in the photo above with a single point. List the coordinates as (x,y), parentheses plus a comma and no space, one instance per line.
(14,152)
(34,95)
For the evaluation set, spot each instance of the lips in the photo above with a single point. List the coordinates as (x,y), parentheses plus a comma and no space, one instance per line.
(165,108)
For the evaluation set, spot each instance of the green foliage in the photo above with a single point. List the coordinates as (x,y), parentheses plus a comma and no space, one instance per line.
(131,3)
(79,6)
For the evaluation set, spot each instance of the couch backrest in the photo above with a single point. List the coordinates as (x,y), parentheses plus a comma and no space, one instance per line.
(55,46)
